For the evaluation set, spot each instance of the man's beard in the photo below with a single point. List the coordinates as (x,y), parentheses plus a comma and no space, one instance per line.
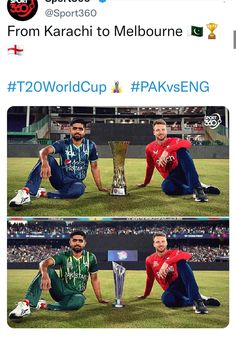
(161,138)
(77,137)
(161,250)
(77,249)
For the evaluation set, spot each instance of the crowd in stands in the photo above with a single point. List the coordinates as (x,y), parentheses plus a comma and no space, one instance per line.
(119,229)
(36,253)
(206,253)
(23,252)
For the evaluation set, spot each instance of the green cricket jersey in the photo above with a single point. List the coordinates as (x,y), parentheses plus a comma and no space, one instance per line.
(75,272)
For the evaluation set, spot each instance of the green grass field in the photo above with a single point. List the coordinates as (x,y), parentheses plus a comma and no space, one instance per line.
(149,313)
(149,201)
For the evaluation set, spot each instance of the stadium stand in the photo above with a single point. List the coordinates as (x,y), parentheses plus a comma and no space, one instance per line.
(48,124)
(31,241)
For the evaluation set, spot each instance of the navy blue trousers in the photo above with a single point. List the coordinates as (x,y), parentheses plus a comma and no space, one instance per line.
(184,290)
(184,178)
(66,187)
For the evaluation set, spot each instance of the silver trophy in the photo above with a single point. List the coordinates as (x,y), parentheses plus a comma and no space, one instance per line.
(119,278)
(119,149)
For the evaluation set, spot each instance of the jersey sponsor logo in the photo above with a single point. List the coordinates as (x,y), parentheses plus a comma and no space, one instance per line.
(71,275)
(155,264)
(155,152)
(169,159)
(74,275)
(75,166)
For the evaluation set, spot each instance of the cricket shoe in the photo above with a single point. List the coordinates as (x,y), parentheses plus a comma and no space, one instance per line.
(210,301)
(199,307)
(22,309)
(42,304)
(42,193)
(199,195)
(210,189)
(22,197)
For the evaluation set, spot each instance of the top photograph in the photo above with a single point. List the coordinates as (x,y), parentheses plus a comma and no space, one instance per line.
(75,161)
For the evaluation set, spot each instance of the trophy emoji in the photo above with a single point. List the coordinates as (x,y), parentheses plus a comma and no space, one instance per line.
(211,26)
(119,278)
(118,149)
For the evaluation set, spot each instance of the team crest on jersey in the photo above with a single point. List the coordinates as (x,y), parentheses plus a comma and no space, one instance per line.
(69,264)
(155,264)
(70,153)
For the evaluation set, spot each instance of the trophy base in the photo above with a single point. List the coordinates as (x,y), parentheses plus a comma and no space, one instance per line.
(116,305)
(211,37)
(120,192)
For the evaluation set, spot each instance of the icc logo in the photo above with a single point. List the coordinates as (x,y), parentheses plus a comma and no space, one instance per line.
(22,10)
(122,255)
(212,121)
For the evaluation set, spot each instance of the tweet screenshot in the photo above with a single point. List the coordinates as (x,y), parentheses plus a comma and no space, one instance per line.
(116,140)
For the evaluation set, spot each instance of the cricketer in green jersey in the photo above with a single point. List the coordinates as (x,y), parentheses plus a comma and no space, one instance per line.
(66,289)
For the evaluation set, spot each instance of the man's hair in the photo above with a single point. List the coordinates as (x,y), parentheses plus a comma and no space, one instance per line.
(159,234)
(78,120)
(159,121)
(81,233)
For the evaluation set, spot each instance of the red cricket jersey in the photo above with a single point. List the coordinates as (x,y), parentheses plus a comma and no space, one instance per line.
(154,263)
(154,151)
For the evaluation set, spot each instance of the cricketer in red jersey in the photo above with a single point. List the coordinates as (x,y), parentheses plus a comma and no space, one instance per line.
(171,158)
(175,276)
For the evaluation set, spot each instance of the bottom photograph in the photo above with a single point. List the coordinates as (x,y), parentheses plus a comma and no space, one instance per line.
(118,273)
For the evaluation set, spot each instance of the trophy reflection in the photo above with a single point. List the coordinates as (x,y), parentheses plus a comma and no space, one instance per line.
(212,26)
(119,278)
(119,149)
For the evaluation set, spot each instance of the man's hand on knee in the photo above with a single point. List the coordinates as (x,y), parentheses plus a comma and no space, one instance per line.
(163,158)
(163,270)
(45,170)
(45,282)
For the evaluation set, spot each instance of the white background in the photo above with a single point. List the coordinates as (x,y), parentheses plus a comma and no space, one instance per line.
(125,59)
